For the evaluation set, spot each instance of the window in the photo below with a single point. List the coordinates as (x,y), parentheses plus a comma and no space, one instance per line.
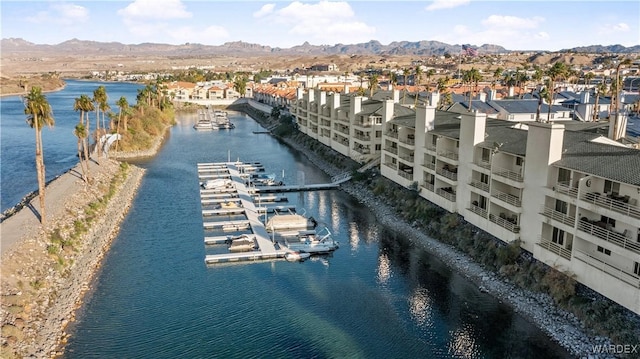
(636,268)
(558,236)
(611,187)
(483,202)
(511,117)
(457,144)
(484,178)
(564,175)
(561,206)
(609,221)
(553,115)
(434,140)
(378,134)
(378,147)
(486,154)
(604,250)
(519,161)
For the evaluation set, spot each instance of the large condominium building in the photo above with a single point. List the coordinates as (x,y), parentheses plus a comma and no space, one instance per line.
(570,196)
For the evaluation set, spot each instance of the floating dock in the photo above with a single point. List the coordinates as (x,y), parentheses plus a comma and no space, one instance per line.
(245,198)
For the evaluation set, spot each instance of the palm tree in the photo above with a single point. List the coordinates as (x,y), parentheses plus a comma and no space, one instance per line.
(81,133)
(418,76)
(600,89)
(373,84)
(557,71)
(472,77)
(85,106)
(122,105)
(99,99)
(542,94)
(429,75)
(39,114)
(405,73)
(588,77)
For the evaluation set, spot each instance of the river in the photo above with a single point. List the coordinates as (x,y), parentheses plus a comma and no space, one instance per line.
(372,298)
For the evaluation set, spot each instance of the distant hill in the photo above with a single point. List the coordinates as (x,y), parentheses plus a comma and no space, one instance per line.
(17,46)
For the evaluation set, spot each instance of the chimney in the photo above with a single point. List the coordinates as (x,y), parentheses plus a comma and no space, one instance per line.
(396,96)
(299,93)
(618,125)
(321,96)
(482,96)
(492,95)
(311,96)
(512,91)
(346,89)
(335,100)
(584,97)
(355,106)
(434,98)
(425,119)
(387,110)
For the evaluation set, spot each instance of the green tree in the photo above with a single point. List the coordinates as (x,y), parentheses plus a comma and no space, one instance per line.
(616,95)
(100,104)
(80,131)
(240,85)
(556,72)
(373,84)
(85,106)
(39,114)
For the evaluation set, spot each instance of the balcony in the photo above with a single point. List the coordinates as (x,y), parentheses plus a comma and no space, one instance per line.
(393,166)
(340,129)
(448,154)
(507,198)
(503,222)
(479,211)
(430,148)
(390,149)
(619,239)
(365,138)
(447,174)
(408,141)
(362,124)
(407,158)
(613,203)
(613,271)
(428,186)
(405,175)
(446,193)
(555,248)
(431,166)
(479,185)
(392,134)
(362,150)
(565,188)
(508,174)
(558,216)
(482,163)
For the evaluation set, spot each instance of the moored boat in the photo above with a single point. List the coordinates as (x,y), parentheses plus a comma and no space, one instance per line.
(241,243)
(296,256)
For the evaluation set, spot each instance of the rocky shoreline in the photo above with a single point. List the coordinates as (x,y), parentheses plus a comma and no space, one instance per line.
(562,327)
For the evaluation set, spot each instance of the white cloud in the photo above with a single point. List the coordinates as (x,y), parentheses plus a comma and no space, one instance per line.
(155,9)
(264,10)
(61,14)
(326,21)
(608,29)
(446,4)
(512,22)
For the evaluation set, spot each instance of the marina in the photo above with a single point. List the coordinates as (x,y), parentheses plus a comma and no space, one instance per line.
(228,187)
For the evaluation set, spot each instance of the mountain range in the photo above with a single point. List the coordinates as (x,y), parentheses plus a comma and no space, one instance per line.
(18,46)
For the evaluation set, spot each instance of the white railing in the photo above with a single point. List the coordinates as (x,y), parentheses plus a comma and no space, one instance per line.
(608,268)
(558,216)
(555,248)
(507,197)
(565,187)
(512,227)
(392,134)
(391,165)
(344,130)
(442,193)
(479,211)
(406,158)
(612,204)
(483,164)
(427,186)
(609,236)
(430,147)
(449,155)
(447,174)
(503,172)
(362,137)
(393,150)
(362,150)
(405,175)
(431,166)
(479,185)
(408,141)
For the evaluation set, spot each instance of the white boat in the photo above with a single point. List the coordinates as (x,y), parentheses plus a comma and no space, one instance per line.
(205,125)
(241,243)
(296,256)
(313,242)
(290,221)
(217,183)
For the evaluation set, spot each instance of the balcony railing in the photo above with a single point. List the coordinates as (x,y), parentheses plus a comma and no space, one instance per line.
(430,147)
(391,165)
(405,175)
(507,197)
(504,223)
(555,248)
(503,172)
(393,150)
(408,141)
(482,163)
(565,187)
(612,204)
(479,185)
(558,216)
(362,150)
(448,154)
(344,130)
(609,236)
(429,165)
(447,174)
(363,137)
(392,134)
(428,186)
(407,158)
(362,124)
(479,211)
(448,195)
(613,271)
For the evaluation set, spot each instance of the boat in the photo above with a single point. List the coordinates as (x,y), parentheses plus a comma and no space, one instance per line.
(313,242)
(290,221)
(217,183)
(241,243)
(205,125)
(296,256)
(231,204)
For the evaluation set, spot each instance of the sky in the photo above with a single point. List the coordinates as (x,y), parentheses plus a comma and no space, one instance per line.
(514,24)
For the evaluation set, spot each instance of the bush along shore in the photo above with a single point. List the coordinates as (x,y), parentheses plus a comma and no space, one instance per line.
(582,321)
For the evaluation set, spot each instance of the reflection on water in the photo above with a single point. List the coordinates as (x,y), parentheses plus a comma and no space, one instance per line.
(375,297)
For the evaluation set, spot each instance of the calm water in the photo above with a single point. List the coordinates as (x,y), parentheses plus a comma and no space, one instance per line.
(373,298)
(17,139)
